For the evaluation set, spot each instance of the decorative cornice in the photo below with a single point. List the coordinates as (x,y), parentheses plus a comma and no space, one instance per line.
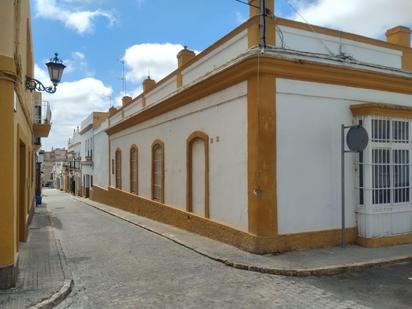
(295,69)
(385,110)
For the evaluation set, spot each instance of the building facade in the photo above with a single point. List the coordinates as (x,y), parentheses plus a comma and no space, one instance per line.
(241,143)
(74,158)
(87,138)
(21,126)
(55,163)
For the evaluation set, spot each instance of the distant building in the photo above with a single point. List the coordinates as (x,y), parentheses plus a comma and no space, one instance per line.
(88,145)
(74,158)
(242,142)
(54,164)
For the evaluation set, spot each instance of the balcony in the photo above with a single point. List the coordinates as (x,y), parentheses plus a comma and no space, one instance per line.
(41,119)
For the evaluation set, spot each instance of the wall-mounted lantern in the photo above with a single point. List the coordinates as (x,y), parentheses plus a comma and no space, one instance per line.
(55,67)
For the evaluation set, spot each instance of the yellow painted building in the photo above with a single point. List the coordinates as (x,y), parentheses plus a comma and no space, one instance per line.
(19,134)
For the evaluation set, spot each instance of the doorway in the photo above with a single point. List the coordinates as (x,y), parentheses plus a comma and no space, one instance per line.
(21,189)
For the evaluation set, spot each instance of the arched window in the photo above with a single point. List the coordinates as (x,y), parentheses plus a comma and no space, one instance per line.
(134,170)
(118,173)
(197,197)
(158,174)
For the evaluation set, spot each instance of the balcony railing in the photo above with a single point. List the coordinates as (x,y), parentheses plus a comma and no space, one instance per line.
(42,113)
(41,119)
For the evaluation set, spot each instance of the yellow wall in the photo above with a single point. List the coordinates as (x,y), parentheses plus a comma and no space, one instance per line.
(16,61)
(7,188)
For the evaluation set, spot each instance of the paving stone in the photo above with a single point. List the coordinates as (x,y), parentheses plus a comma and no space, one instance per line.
(41,270)
(118,265)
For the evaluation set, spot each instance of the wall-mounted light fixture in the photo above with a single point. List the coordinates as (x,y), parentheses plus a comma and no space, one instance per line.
(55,67)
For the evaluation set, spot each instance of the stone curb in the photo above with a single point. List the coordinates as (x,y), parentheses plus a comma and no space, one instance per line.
(295,272)
(68,284)
(57,297)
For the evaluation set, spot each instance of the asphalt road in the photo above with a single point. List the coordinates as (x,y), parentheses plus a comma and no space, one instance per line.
(118,265)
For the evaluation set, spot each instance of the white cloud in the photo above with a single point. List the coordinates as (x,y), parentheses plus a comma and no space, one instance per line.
(159,59)
(367,17)
(76,19)
(78,63)
(72,102)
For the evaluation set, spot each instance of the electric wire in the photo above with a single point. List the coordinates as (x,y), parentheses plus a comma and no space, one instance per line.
(247,3)
(310,26)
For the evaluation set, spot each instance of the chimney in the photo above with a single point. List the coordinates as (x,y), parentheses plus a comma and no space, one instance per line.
(126,100)
(148,84)
(254,8)
(184,56)
(112,111)
(399,35)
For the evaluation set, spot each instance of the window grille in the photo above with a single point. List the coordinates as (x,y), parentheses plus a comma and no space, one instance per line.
(157,182)
(133,170)
(118,157)
(390,161)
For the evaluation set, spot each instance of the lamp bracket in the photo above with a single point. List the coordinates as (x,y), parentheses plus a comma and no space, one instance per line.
(34,84)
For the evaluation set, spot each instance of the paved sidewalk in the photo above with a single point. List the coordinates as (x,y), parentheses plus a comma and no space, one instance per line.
(43,273)
(296,263)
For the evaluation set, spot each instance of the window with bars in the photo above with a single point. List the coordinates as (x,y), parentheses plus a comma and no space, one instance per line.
(390,161)
(118,173)
(133,170)
(157,172)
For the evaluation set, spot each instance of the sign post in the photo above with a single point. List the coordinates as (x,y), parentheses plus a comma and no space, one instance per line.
(356,139)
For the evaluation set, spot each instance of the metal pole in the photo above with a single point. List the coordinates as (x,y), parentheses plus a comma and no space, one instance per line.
(262,24)
(343,184)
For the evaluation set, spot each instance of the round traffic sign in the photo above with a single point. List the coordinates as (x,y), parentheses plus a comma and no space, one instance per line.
(357,139)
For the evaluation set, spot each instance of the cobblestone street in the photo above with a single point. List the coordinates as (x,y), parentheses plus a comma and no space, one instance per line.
(118,265)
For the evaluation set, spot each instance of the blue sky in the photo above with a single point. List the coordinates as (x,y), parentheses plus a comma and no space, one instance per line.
(196,24)
(91,37)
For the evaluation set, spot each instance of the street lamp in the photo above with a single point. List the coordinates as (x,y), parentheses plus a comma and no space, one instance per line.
(55,67)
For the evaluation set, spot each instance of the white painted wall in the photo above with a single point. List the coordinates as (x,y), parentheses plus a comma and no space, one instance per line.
(223,117)
(117,117)
(162,91)
(131,109)
(308,41)
(216,58)
(309,116)
(101,156)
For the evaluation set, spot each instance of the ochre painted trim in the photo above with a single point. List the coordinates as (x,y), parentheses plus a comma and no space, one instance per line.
(197,135)
(254,32)
(407,59)
(385,241)
(99,118)
(308,240)
(385,110)
(261,164)
(282,68)
(175,217)
(134,147)
(8,66)
(159,143)
(215,229)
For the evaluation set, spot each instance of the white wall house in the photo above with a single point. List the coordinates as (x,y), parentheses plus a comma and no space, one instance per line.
(101,155)
(74,158)
(241,142)
(84,149)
